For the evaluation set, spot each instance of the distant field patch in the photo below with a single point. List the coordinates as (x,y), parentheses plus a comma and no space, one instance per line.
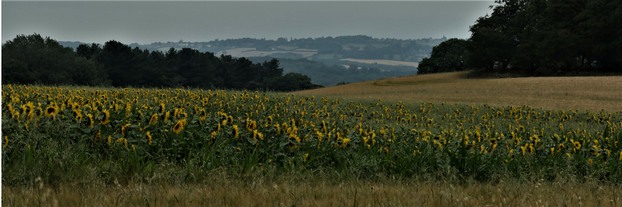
(382,62)
(253,52)
(570,93)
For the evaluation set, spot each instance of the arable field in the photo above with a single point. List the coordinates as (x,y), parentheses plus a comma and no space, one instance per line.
(82,146)
(382,62)
(566,93)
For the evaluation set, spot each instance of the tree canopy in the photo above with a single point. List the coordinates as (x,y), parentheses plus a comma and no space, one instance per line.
(447,56)
(545,37)
(33,59)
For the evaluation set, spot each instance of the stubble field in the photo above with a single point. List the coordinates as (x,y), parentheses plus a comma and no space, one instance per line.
(565,93)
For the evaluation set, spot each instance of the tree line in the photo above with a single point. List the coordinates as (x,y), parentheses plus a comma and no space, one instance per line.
(33,59)
(538,37)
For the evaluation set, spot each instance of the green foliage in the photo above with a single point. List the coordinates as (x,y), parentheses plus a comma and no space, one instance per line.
(33,59)
(448,56)
(539,36)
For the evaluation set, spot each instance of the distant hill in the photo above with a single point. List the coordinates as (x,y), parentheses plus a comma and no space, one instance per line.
(358,47)
(326,60)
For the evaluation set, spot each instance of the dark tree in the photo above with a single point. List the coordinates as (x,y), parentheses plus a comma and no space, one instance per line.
(34,59)
(549,36)
(447,56)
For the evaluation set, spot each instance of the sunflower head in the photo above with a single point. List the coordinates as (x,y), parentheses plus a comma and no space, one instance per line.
(179,126)
(154,119)
(51,111)
(149,138)
(236,131)
(106,119)
(166,116)
(577,145)
(90,120)
(125,128)
(78,115)
(202,115)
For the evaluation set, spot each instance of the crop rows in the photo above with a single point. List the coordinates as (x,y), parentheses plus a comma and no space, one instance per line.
(64,133)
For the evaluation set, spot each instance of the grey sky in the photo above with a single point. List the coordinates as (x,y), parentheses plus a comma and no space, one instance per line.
(150,21)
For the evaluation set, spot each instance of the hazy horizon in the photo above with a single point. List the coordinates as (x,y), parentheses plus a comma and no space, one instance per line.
(201,21)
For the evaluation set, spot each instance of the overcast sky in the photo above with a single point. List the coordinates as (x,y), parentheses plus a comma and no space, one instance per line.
(151,21)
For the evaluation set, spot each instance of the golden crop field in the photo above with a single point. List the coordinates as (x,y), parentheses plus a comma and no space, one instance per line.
(565,93)
(77,136)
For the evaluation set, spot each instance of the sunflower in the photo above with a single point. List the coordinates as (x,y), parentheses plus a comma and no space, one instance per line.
(294,137)
(149,138)
(165,116)
(345,141)
(122,141)
(98,136)
(90,119)
(10,107)
(176,112)
(128,108)
(124,128)
(78,115)
(320,136)
(15,115)
(577,145)
(251,125)
(29,109)
(257,135)
(590,162)
(51,111)
(153,120)
(106,118)
(179,126)
(277,128)
(523,149)
(202,115)
(236,132)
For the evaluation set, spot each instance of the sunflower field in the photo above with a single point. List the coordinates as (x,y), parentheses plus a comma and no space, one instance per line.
(74,134)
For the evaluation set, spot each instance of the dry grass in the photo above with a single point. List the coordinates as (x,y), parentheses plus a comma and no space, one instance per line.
(568,93)
(318,193)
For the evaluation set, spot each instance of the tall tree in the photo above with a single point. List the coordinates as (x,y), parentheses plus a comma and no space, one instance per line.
(447,56)
(34,59)
(549,35)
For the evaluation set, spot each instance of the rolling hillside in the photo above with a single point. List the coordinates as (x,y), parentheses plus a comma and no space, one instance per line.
(570,93)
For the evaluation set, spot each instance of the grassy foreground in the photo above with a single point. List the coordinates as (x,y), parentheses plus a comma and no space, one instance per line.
(288,191)
(73,145)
